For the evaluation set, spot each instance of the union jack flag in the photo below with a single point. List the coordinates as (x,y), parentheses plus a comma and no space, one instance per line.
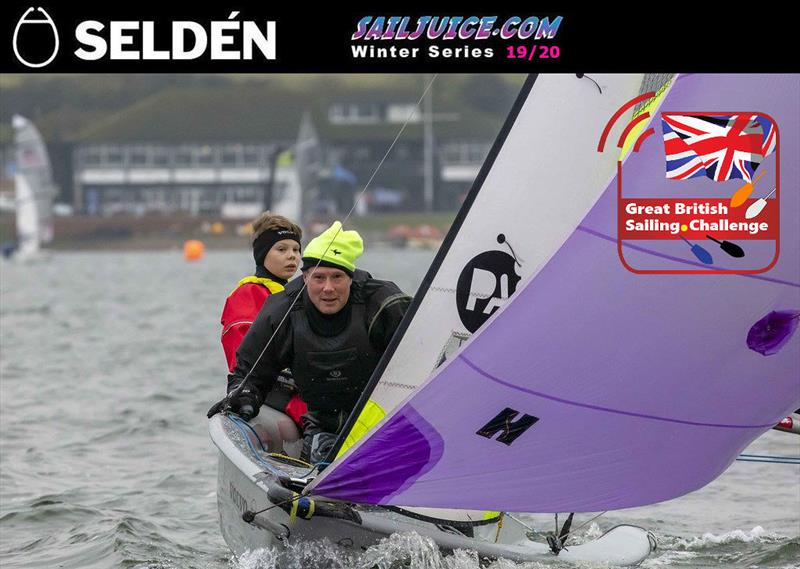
(720,147)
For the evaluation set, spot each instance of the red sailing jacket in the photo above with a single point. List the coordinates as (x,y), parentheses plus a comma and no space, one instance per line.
(241,308)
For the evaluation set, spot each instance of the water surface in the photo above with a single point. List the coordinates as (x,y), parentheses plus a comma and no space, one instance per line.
(108,362)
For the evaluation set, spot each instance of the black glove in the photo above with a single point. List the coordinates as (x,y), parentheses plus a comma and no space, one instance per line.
(246,403)
(217,407)
(284,382)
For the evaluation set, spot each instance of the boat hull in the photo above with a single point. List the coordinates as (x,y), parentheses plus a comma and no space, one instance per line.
(246,478)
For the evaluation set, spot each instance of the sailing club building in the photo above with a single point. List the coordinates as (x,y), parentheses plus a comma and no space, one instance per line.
(219,151)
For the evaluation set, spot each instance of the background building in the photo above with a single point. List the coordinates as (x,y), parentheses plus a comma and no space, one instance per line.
(206,145)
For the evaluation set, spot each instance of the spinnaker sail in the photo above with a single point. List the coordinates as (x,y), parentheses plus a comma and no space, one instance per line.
(593,387)
(35,190)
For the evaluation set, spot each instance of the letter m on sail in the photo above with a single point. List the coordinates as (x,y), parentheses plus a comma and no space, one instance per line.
(504,424)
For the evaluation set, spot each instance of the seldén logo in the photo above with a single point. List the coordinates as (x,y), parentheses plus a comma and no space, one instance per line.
(36,40)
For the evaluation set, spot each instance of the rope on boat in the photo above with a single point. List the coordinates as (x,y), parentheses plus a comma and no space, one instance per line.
(301,506)
(276,455)
(238,424)
(499,527)
(530,529)
(249,516)
(291,459)
(586,522)
(313,468)
(241,421)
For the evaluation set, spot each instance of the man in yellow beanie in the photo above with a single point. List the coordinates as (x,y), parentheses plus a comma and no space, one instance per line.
(332,339)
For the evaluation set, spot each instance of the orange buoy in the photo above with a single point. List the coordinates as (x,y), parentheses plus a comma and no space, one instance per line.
(193,250)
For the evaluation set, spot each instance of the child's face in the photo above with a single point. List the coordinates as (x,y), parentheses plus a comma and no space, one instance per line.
(283,258)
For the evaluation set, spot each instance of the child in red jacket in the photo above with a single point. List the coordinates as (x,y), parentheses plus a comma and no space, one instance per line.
(276,250)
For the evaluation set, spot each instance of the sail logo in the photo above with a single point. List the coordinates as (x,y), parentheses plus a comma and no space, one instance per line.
(504,424)
(486,282)
(709,203)
(35,40)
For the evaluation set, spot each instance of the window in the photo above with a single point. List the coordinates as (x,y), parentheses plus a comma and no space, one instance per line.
(464,152)
(114,156)
(230,154)
(91,156)
(183,157)
(354,113)
(402,112)
(252,156)
(204,155)
(138,156)
(161,156)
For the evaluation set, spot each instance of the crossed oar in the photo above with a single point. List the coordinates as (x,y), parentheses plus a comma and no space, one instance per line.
(705,257)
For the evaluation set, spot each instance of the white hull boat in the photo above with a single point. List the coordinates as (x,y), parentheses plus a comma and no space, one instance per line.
(250,480)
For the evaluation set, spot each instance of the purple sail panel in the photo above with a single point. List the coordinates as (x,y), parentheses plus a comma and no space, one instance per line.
(595,388)
(415,447)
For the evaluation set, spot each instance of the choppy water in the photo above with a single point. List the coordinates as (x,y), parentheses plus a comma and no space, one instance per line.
(108,362)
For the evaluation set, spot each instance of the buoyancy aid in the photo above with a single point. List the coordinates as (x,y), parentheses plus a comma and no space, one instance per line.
(241,308)
(332,371)
(271,285)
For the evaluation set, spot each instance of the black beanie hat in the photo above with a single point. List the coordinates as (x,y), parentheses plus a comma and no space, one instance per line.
(264,242)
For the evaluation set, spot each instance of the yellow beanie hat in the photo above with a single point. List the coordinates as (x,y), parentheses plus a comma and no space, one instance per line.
(335,248)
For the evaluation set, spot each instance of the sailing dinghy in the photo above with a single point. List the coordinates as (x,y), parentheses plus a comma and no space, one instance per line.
(534,372)
(34,191)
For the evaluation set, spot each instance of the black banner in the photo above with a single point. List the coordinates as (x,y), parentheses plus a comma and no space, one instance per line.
(270,38)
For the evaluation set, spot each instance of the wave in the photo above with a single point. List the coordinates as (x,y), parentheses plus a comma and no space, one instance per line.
(756,535)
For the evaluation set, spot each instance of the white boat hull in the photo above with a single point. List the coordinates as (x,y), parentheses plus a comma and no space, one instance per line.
(243,485)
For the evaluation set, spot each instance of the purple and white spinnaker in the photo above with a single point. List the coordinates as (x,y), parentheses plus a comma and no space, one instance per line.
(595,388)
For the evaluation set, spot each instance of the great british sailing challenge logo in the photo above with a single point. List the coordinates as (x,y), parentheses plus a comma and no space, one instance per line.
(709,202)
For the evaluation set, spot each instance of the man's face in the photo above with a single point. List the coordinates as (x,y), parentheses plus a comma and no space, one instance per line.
(328,288)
